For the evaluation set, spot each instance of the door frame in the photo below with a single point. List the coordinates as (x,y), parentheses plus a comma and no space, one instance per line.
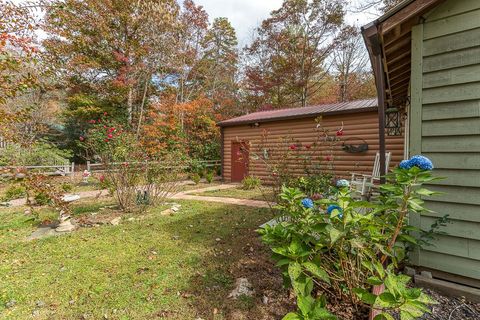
(243,144)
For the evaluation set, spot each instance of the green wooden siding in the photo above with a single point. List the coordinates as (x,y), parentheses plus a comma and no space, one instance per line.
(445,126)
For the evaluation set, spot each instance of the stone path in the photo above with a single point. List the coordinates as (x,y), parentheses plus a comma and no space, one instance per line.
(184,195)
(241,202)
(187,195)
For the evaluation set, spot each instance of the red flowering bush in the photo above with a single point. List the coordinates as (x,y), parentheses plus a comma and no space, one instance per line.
(135,178)
(287,159)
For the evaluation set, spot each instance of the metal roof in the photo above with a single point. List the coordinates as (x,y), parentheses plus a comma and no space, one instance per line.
(306,112)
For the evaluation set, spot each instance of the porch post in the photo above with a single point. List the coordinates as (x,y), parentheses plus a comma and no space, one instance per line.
(380,82)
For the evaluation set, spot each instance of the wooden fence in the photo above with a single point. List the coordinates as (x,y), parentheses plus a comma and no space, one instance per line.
(68,169)
(56,169)
(100,167)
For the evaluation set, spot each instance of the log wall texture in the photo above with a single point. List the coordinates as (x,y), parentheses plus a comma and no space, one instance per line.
(303,132)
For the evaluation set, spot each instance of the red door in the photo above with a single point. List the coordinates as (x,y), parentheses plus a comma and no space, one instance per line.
(239,160)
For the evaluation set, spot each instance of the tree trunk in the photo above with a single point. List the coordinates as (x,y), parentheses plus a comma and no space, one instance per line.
(142,106)
(130,105)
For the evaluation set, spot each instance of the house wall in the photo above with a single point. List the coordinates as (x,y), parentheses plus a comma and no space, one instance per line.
(281,134)
(445,126)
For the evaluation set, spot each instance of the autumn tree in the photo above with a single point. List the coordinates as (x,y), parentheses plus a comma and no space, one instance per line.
(18,53)
(288,58)
(219,64)
(351,66)
(381,5)
(110,50)
(189,128)
(191,31)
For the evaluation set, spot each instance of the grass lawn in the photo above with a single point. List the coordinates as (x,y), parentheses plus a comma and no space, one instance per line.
(255,194)
(158,267)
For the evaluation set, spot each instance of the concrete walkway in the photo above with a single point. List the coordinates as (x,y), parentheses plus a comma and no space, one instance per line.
(184,195)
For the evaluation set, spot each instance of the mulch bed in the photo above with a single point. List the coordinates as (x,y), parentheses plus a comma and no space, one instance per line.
(450,308)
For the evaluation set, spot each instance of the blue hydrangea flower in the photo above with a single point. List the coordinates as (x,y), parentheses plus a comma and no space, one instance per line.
(421,162)
(405,164)
(333,207)
(307,203)
(343,183)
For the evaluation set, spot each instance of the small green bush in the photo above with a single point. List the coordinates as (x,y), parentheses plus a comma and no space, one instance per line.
(41,199)
(317,184)
(15,191)
(249,183)
(209,175)
(196,178)
(39,153)
(67,187)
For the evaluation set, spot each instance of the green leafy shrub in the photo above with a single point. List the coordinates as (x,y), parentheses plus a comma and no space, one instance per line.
(250,183)
(41,198)
(37,154)
(209,175)
(14,191)
(317,185)
(344,248)
(196,178)
(66,186)
(197,167)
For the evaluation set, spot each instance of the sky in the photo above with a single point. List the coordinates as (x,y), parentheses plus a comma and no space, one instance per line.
(246,15)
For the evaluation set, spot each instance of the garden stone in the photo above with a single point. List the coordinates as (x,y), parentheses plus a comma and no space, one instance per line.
(242,288)
(167,212)
(70,197)
(116,221)
(65,226)
(42,232)
(11,303)
(40,304)
(20,176)
(265,300)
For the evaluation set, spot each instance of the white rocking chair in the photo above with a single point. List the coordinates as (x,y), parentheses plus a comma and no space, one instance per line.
(362,184)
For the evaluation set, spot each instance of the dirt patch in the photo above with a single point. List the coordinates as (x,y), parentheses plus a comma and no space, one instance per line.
(94,219)
(240,256)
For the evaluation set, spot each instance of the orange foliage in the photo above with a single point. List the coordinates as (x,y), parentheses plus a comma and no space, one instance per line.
(186,127)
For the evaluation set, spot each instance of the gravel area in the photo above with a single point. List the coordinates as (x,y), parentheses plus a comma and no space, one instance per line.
(449,308)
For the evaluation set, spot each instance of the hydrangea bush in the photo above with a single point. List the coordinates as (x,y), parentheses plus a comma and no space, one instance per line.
(340,248)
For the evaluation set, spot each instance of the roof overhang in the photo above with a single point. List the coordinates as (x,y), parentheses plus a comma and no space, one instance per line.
(302,116)
(390,35)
